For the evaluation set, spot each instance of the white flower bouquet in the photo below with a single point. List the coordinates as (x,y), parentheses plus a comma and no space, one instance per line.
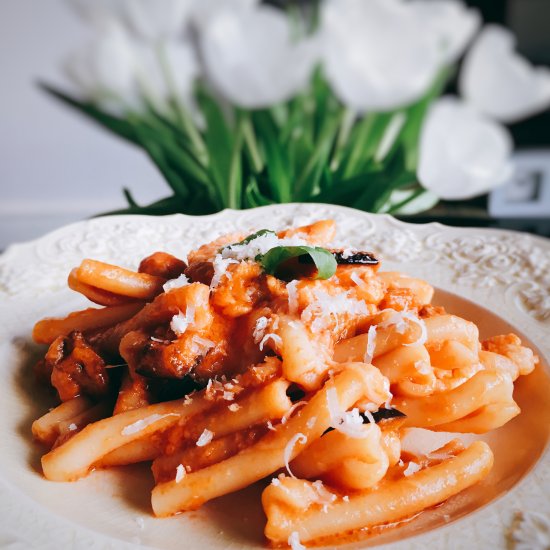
(241,104)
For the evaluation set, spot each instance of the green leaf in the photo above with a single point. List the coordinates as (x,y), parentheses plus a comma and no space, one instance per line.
(253,197)
(116,125)
(278,166)
(322,258)
(219,143)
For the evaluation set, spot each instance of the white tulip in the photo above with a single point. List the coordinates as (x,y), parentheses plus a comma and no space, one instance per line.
(105,71)
(376,55)
(451,21)
(250,56)
(146,19)
(501,83)
(169,69)
(203,11)
(462,153)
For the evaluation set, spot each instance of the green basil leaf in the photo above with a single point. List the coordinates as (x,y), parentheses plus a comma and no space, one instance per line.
(322,258)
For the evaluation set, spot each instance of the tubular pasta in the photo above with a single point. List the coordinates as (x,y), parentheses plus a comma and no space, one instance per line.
(118,280)
(47,330)
(443,408)
(225,369)
(266,456)
(391,502)
(74,459)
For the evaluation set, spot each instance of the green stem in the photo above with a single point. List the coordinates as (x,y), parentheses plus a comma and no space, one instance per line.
(252,144)
(184,118)
(346,124)
(234,187)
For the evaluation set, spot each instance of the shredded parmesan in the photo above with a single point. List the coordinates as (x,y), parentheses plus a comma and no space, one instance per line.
(187,400)
(205,438)
(292,296)
(348,252)
(182,280)
(411,469)
(345,498)
(201,345)
(270,426)
(277,340)
(180,473)
(325,496)
(398,319)
(298,438)
(181,322)
(259,246)
(371,344)
(294,541)
(234,407)
(143,423)
(288,413)
(326,306)
(349,423)
(357,279)
(259,329)
(72,427)
(220,266)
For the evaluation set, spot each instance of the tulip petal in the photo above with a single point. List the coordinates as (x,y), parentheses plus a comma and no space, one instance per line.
(462,153)
(453,23)
(105,70)
(501,83)
(376,56)
(251,58)
(145,19)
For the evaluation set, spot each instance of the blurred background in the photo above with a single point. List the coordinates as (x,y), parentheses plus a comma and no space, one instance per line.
(57,167)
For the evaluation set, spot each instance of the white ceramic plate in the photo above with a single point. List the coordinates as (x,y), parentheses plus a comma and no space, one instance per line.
(507,273)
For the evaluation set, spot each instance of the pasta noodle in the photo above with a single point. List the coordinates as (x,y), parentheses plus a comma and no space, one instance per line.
(278,356)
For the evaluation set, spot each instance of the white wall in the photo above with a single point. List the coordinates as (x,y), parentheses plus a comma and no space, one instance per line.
(55,166)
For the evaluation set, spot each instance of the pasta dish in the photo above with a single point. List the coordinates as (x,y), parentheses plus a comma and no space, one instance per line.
(280,357)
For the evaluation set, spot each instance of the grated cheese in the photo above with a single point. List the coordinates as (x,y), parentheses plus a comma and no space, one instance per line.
(259,329)
(398,319)
(181,322)
(292,296)
(228,395)
(294,541)
(270,426)
(180,281)
(72,427)
(345,498)
(298,438)
(357,279)
(205,438)
(259,246)
(277,340)
(234,407)
(288,413)
(349,423)
(220,266)
(371,344)
(201,345)
(180,473)
(411,469)
(143,423)
(325,496)
(326,306)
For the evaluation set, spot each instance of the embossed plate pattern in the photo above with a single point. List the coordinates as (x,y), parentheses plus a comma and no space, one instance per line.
(505,271)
